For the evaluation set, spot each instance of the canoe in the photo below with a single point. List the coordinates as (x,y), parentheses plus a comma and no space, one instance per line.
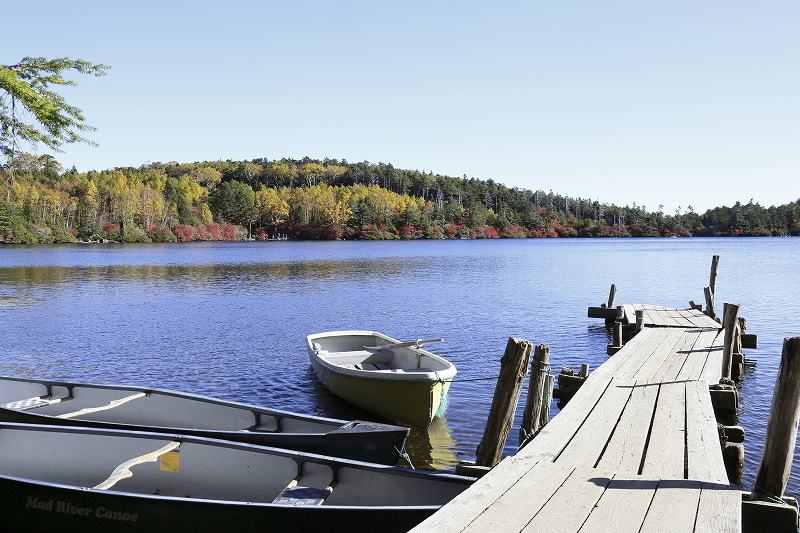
(133,408)
(73,479)
(396,379)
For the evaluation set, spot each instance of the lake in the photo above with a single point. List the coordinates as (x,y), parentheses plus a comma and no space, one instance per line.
(229,319)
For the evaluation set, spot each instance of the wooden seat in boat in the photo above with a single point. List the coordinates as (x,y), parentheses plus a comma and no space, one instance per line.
(33,403)
(295,494)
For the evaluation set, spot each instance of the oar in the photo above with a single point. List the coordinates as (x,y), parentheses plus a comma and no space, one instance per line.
(417,343)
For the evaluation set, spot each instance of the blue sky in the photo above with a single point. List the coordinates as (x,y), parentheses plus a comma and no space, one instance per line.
(671,103)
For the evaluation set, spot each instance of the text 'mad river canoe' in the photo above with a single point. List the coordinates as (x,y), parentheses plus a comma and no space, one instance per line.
(396,379)
(72,479)
(142,409)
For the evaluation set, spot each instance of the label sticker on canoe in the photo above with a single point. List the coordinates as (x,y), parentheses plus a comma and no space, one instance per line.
(170,461)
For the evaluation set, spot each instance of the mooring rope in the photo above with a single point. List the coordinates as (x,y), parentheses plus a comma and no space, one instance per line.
(473,379)
(405,456)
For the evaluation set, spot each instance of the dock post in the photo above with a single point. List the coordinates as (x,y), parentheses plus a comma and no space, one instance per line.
(611,295)
(531,416)
(639,320)
(610,303)
(710,302)
(776,460)
(547,396)
(729,321)
(712,282)
(616,339)
(501,414)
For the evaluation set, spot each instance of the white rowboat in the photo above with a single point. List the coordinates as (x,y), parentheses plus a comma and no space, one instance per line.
(396,379)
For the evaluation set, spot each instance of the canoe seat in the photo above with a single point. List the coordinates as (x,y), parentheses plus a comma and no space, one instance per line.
(295,494)
(357,357)
(33,403)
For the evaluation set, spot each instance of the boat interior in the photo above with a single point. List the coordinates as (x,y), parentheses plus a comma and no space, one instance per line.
(147,464)
(376,354)
(150,408)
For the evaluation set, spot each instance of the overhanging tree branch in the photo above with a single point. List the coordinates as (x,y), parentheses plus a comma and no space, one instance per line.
(31,112)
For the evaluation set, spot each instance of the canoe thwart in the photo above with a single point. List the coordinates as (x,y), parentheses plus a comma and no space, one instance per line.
(111,405)
(123,471)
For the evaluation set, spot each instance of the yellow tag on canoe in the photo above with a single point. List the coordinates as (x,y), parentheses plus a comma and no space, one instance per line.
(170,462)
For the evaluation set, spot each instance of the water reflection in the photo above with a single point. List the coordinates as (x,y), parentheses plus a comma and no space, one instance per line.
(434,449)
(340,270)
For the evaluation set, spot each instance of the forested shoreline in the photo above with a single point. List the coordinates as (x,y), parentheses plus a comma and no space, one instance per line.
(326,199)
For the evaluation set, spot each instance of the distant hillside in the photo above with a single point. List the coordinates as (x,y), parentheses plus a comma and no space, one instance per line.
(328,199)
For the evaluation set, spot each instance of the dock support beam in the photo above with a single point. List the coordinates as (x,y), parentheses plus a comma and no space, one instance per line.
(513,367)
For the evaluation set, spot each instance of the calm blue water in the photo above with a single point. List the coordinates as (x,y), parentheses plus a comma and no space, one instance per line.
(230,319)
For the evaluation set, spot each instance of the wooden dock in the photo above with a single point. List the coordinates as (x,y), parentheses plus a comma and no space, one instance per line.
(635,450)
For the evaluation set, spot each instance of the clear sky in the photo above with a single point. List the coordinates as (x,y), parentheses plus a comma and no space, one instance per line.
(673,103)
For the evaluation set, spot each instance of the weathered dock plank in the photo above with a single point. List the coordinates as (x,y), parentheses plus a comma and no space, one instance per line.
(598,427)
(622,507)
(674,506)
(513,510)
(714,513)
(702,438)
(697,357)
(624,450)
(665,457)
(579,493)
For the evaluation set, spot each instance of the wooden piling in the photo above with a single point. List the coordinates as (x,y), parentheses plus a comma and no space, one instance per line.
(611,295)
(729,322)
(712,282)
(547,397)
(710,302)
(776,460)
(501,414)
(531,416)
(616,339)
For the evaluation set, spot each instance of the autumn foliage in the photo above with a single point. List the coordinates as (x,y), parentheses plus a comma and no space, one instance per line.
(324,200)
